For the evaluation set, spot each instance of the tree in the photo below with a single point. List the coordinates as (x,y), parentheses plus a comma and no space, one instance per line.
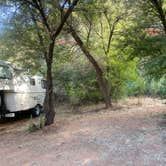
(48,21)
(103,84)
(146,37)
(98,24)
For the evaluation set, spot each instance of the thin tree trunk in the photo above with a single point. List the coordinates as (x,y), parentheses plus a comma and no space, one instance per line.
(49,98)
(102,82)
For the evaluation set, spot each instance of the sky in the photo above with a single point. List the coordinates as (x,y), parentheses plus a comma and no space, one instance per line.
(5,15)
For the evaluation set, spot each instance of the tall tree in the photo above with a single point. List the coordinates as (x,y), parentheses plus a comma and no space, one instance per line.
(99,24)
(48,21)
(103,84)
(147,36)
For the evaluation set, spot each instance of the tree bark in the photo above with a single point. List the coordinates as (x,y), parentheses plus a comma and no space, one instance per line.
(105,90)
(49,98)
(102,82)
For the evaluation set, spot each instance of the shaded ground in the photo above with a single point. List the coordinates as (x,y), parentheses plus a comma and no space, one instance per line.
(133,133)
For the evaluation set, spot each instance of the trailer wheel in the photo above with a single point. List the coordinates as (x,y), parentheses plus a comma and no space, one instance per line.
(36,111)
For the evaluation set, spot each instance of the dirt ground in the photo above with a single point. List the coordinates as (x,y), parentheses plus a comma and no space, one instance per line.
(133,133)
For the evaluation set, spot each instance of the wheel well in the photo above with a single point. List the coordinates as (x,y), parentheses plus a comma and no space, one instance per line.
(2,102)
(40,106)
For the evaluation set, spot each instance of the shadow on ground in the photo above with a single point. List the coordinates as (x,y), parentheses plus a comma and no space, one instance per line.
(18,117)
(162,122)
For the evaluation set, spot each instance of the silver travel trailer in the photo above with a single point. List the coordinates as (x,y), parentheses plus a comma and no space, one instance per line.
(20,92)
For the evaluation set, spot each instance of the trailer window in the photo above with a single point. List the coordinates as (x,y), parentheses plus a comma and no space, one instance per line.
(5,72)
(32,81)
(43,84)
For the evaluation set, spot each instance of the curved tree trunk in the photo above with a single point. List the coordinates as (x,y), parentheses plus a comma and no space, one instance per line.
(102,82)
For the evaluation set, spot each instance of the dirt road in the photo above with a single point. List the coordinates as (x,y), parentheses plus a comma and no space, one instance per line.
(131,134)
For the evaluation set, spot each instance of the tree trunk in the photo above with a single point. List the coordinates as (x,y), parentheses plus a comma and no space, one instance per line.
(105,90)
(102,82)
(49,98)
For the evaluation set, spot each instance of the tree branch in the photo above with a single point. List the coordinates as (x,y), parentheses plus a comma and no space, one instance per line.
(64,19)
(37,4)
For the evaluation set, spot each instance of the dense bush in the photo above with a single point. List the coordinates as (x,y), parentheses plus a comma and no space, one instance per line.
(78,82)
(75,80)
(135,87)
(162,88)
(156,88)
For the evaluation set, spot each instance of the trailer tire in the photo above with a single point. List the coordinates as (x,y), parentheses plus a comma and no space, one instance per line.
(36,111)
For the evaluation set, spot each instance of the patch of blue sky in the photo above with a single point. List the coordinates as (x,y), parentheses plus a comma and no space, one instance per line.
(65,4)
(6,13)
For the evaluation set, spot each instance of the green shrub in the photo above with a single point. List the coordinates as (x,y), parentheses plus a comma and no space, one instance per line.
(78,82)
(162,88)
(156,88)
